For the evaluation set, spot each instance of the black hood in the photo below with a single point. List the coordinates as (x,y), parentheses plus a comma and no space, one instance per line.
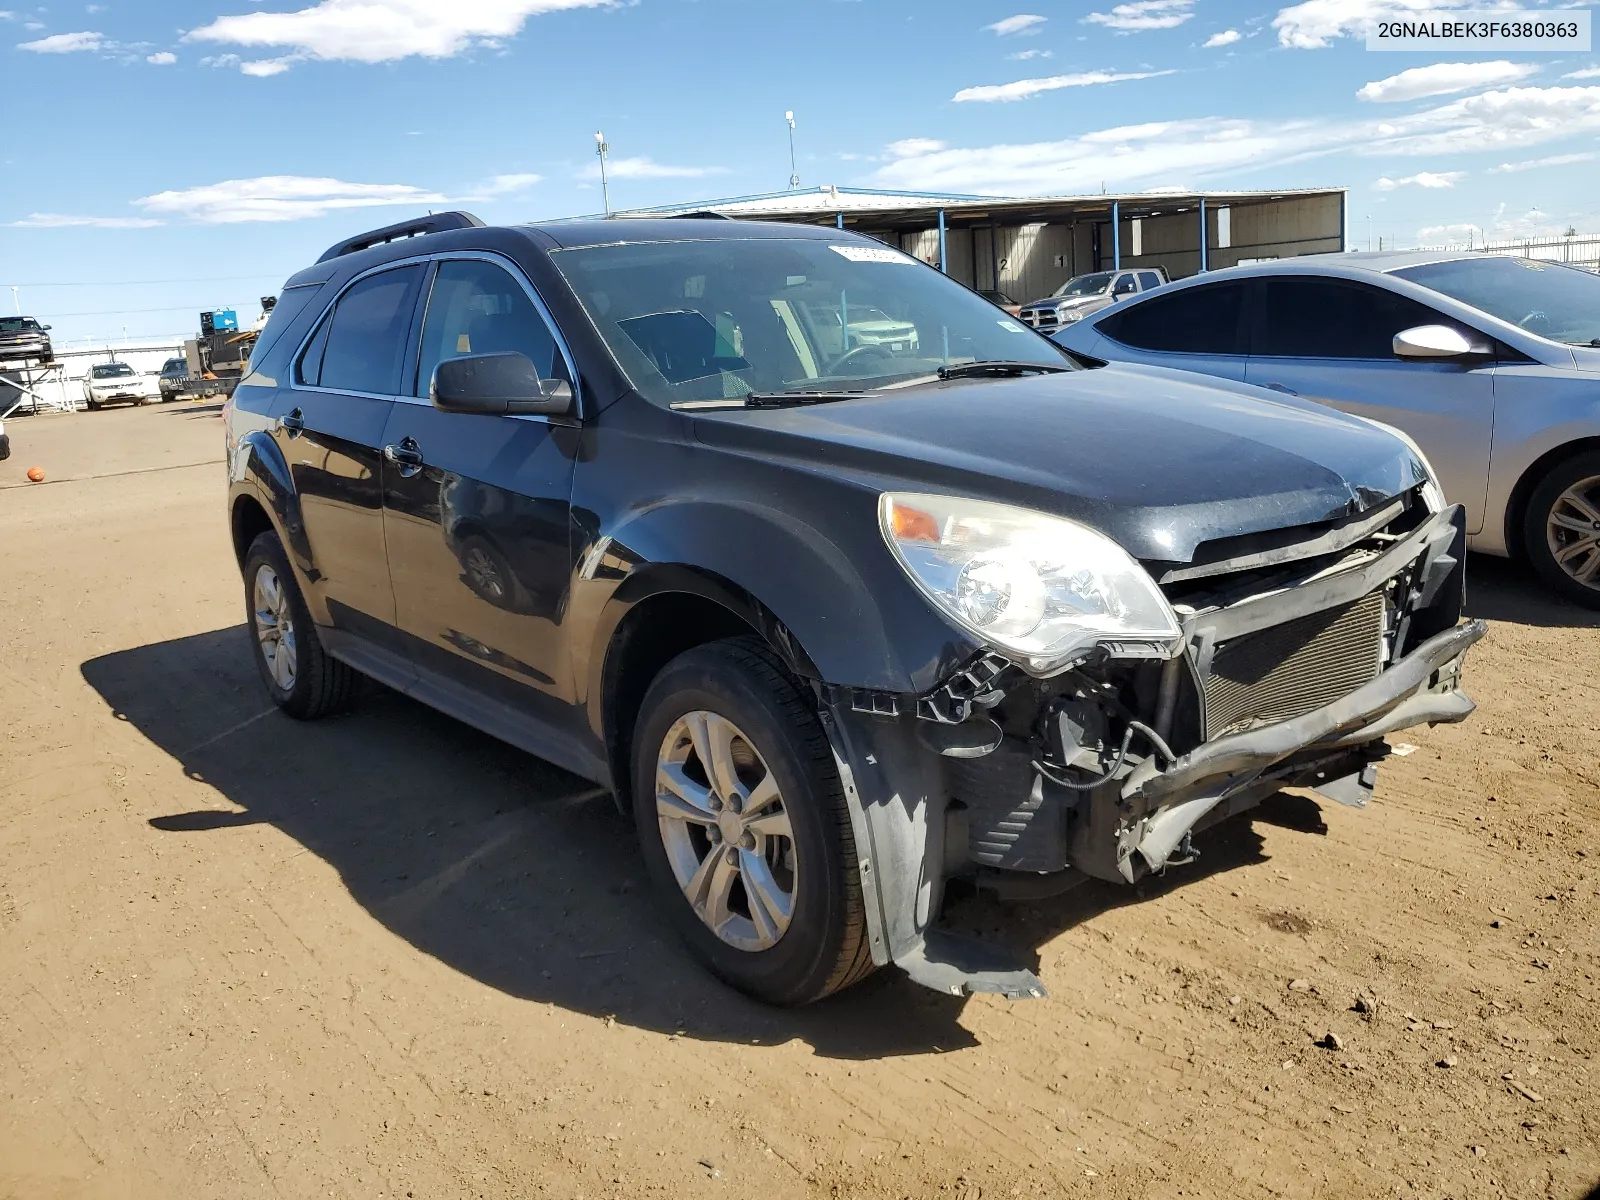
(1160,460)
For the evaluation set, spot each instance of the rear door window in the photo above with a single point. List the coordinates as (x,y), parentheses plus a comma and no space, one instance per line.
(477,307)
(1197,320)
(1149,280)
(1306,317)
(361,346)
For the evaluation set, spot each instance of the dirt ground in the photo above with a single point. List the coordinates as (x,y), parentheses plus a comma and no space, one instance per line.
(386,956)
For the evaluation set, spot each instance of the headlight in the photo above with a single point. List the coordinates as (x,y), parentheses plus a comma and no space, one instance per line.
(1069,316)
(1432,490)
(1041,589)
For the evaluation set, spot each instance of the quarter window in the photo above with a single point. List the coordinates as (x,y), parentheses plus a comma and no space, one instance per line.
(1326,318)
(478,308)
(361,346)
(1196,320)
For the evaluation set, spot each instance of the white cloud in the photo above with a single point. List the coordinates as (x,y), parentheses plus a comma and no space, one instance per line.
(645,168)
(1161,152)
(1024,88)
(281,198)
(1554,160)
(907,147)
(505,185)
(1226,38)
(1021,23)
(1442,79)
(265,68)
(1316,23)
(66,43)
(64,221)
(1025,55)
(1422,179)
(1586,73)
(162,58)
(1144,14)
(382,30)
(1451,234)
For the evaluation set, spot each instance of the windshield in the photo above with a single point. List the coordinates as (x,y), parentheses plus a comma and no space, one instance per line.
(174,365)
(719,319)
(18,324)
(1552,300)
(1085,285)
(110,370)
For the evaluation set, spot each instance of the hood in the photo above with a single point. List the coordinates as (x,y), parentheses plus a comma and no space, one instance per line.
(1159,460)
(1068,301)
(1586,358)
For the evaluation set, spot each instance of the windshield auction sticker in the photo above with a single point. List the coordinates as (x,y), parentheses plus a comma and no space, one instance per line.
(1563,30)
(872,254)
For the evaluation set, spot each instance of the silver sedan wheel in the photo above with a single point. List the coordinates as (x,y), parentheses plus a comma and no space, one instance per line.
(1573,529)
(726,831)
(274,626)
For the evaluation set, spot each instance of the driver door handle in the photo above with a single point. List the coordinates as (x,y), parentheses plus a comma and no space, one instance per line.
(406,455)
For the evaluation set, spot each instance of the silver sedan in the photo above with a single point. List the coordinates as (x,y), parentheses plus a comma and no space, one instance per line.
(1491,364)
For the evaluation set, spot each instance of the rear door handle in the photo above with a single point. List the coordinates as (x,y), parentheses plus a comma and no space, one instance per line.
(405,455)
(294,422)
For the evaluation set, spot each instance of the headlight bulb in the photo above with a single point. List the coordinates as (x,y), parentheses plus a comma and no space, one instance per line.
(1001,595)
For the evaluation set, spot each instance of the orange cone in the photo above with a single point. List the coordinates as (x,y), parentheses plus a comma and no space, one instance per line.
(36,474)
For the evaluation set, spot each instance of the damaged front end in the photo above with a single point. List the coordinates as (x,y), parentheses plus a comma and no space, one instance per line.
(1298,652)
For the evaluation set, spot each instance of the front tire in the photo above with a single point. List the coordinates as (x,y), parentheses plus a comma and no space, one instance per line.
(743,825)
(1561,530)
(303,679)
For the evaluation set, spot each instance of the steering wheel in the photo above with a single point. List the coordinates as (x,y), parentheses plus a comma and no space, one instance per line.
(1534,321)
(860,352)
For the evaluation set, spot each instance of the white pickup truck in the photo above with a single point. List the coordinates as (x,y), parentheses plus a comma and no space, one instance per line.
(115,382)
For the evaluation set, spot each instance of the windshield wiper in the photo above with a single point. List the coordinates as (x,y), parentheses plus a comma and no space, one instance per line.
(789,399)
(770,400)
(998,366)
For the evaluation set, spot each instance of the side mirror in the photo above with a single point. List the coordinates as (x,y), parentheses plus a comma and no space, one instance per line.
(497,385)
(1424,342)
(44,327)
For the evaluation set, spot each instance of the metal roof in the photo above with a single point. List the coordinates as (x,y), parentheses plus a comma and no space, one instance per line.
(881,208)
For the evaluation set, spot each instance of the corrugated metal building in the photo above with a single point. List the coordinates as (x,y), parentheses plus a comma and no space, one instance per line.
(1027,247)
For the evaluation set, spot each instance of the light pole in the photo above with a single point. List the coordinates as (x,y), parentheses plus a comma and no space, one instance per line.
(794,173)
(602,148)
(16,298)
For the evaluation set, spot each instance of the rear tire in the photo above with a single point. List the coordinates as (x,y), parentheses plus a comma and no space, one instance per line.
(798,932)
(1561,529)
(303,679)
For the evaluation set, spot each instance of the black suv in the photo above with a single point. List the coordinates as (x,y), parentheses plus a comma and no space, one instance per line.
(23,339)
(838,622)
(174,378)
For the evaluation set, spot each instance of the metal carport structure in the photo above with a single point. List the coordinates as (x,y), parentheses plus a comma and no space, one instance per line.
(1028,246)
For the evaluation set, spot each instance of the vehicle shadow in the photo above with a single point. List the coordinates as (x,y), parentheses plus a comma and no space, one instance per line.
(519,875)
(1501,589)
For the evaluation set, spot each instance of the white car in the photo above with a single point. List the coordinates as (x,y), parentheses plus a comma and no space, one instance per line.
(115,382)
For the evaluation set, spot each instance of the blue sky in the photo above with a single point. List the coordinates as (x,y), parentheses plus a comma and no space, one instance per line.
(168,155)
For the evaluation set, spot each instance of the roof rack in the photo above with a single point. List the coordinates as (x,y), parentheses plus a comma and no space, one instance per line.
(432,223)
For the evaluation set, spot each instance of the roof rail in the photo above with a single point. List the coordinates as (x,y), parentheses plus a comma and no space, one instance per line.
(432,223)
(704,214)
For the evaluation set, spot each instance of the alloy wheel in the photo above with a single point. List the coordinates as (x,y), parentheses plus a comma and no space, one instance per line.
(1573,529)
(726,831)
(274,626)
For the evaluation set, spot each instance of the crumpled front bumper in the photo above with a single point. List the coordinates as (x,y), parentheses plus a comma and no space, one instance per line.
(1135,822)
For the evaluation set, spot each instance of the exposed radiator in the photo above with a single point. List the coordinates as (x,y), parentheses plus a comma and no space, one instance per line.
(1291,669)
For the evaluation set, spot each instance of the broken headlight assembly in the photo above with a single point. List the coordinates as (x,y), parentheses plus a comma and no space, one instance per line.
(1042,590)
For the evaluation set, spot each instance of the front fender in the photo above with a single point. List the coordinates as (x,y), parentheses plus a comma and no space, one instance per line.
(257,469)
(850,615)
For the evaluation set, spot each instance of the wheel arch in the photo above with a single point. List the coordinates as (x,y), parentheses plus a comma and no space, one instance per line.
(658,613)
(1531,477)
